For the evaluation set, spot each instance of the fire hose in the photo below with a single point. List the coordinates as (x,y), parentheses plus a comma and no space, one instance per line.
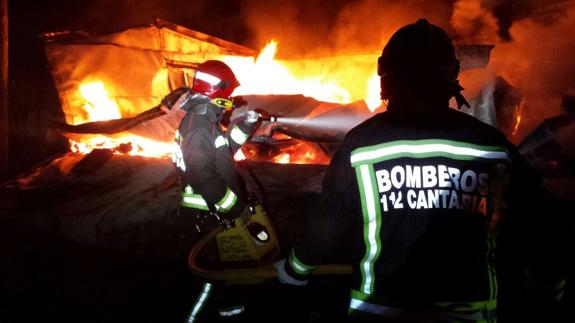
(248,275)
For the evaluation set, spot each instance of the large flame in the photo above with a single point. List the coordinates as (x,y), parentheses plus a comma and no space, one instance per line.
(339,79)
(100,107)
(98,104)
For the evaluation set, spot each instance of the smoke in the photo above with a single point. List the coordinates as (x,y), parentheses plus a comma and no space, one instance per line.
(220,18)
(534,55)
(472,23)
(315,27)
(539,61)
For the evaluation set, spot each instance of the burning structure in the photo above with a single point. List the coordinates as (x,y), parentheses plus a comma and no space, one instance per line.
(117,188)
(120,75)
(108,198)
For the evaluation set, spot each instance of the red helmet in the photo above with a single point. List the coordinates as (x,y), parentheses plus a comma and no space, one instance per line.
(215,79)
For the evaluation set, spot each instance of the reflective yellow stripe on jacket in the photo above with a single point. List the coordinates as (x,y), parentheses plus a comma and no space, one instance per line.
(196,201)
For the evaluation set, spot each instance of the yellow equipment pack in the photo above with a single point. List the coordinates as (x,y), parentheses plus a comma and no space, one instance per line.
(236,244)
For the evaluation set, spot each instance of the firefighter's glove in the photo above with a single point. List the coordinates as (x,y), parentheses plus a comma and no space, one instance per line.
(177,99)
(252,117)
(284,277)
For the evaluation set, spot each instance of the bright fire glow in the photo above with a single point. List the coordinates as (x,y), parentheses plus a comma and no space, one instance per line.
(283,158)
(127,144)
(518,111)
(293,151)
(301,152)
(338,79)
(373,98)
(98,104)
(100,107)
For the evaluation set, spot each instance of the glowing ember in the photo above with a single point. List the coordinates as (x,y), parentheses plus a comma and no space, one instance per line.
(517,114)
(301,152)
(282,158)
(100,107)
(517,123)
(287,151)
(127,144)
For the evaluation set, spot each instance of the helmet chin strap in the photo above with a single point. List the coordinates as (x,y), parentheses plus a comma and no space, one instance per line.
(223,103)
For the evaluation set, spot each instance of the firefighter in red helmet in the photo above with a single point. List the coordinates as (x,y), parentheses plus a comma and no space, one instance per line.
(203,155)
(203,151)
(433,207)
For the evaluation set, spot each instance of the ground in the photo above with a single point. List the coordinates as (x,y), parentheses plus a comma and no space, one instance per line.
(45,278)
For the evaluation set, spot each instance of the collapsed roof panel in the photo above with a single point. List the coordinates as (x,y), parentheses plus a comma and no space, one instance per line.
(134,68)
(160,35)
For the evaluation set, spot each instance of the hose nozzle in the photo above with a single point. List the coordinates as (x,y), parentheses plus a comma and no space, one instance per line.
(268,118)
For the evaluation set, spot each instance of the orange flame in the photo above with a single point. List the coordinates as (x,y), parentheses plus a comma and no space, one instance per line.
(301,152)
(518,113)
(340,79)
(98,104)
(283,158)
(100,107)
(126,144)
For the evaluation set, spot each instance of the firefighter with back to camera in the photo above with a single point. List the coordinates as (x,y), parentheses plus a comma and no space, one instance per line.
(434,206)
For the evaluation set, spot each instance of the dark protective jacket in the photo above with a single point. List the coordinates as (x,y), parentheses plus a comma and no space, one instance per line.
(430,209)
(203,154)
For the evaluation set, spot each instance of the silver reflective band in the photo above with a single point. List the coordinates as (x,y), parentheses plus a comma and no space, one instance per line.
(194,200)
(189,199)
(238,135)
(227,202)
(381,310)
(198,202)
(425,148)
(232,311)
(177,154)
(200,302)
(208,78)
(220,141)
(298,266)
